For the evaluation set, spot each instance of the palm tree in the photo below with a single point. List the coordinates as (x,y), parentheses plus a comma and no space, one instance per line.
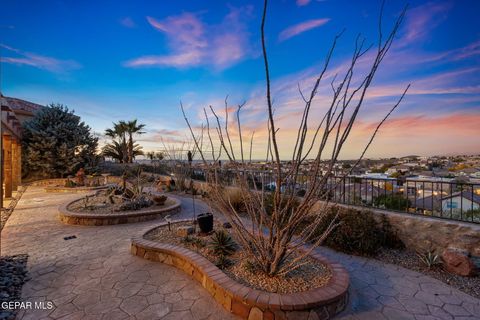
(118,149)
(114,150)
(131,128)
(123,148)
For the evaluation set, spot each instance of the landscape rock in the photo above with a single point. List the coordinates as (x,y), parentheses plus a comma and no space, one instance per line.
(184,231)
(13,274)
(458,262)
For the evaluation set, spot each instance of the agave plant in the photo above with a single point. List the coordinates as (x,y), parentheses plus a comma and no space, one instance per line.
(429,258)
(222,243)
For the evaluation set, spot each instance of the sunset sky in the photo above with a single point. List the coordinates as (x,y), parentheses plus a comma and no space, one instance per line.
(114,60)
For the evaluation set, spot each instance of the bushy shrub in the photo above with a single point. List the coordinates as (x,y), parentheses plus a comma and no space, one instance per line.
(390,237)
(194,241)
(159,199)
(358,232)
(268,203)
(236,199)
(392,201)
(70,184)
(223,262)
(136,204)
(250,266)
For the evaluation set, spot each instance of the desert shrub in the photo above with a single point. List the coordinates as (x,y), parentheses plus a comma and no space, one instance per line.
(194,241)
(358,232)
(222,244)
(392,201)
(470,214)
(188,239)
(236,199)
(159,200)
(390,237)
(70,184)
(223,262)
(136,204)
(268,203)
(250,266)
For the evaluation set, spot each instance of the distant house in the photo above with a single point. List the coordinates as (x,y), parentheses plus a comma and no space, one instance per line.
(353,192)
(428,204)
(475,175)
(402,169)
(423,185)
(461,202)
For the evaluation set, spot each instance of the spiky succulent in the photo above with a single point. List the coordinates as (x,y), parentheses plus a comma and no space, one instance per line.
(222,243)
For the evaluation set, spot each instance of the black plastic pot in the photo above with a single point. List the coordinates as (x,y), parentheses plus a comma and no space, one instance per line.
(205,222)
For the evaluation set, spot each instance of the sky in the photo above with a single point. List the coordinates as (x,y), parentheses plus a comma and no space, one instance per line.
(120,60)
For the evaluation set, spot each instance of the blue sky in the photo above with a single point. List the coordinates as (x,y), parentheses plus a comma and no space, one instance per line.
(137,59)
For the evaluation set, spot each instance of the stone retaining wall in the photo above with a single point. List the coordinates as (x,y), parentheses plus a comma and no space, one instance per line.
(87,219)
(320,303)
(426,233)
(422,233)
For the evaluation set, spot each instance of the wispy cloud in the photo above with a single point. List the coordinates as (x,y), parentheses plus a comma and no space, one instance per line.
(300,28)
(194,43)
(423,19)
(128,22)
(24,58)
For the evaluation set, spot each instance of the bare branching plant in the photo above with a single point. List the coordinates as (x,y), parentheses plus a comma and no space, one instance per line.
(274,233)
(176,157)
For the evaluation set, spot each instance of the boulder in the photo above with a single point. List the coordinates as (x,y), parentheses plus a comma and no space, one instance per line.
(184,231)
(458,262)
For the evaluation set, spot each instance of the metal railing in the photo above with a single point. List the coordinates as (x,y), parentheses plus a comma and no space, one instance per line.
(440,198)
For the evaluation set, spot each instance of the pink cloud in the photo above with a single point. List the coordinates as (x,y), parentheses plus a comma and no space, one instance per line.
(300,28)
(193,43)
(38,61)
(423,19)
(301,3)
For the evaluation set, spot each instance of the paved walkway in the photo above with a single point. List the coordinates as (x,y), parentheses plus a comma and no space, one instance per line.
(95,277)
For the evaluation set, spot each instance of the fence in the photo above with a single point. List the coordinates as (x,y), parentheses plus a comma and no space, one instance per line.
(436,198)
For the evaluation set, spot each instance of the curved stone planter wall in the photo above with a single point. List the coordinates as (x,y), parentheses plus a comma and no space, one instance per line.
(87,219)
(56,189)
(248,303)
(49,182)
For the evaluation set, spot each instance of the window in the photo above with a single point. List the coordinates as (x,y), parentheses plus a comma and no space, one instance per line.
(452,205)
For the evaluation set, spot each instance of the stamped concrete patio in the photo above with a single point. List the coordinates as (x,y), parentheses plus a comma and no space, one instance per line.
(95,277)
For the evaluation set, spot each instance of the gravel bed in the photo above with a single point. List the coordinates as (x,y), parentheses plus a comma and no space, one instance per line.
(13,274)
(410,260)
(99,204)
(312,274)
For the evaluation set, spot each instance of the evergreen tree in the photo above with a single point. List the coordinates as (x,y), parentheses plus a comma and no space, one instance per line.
(56,143)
